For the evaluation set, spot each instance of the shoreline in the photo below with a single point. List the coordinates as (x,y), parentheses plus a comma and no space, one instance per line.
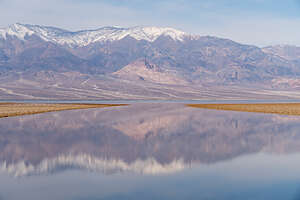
(20,109)
(267,108)
(8,109)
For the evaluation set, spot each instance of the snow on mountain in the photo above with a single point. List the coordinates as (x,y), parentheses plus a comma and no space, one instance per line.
(20,31)
(86,37)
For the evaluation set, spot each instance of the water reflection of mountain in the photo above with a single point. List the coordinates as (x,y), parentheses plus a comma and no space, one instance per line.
(143,138)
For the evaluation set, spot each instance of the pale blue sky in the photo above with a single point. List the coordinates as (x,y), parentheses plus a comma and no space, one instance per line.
(259,22)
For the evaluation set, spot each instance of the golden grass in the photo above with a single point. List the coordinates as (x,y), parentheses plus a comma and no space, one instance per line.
(17,109)
(274,108)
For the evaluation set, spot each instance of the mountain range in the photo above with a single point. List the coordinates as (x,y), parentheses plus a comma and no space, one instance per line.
(41,62)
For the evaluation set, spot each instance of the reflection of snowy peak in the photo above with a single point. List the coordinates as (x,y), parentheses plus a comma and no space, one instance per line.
(91,163)
(86,37)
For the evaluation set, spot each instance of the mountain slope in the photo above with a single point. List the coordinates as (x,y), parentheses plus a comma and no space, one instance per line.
(142,70)
(284,51)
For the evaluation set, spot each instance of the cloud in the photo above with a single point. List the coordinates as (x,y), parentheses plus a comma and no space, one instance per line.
(248,21)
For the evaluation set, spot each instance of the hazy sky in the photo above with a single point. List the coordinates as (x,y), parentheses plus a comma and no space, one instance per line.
(259,22)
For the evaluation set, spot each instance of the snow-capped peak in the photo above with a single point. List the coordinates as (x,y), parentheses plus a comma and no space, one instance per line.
(17,30)
(22,30)
(86,37)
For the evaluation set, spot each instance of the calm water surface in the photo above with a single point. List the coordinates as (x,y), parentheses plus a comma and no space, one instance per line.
(150,151)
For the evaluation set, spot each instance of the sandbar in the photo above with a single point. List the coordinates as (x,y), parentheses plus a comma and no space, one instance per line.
(18,109)
(273,108)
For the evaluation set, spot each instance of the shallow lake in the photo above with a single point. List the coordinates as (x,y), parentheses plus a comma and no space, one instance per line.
(150,151)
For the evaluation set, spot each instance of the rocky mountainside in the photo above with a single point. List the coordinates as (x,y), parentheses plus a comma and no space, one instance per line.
(287,52)
(150,56)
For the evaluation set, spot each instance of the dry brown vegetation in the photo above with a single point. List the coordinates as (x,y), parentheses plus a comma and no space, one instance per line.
(17,109)
(275,108)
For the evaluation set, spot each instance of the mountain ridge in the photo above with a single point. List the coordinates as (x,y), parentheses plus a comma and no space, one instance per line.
(86,37)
